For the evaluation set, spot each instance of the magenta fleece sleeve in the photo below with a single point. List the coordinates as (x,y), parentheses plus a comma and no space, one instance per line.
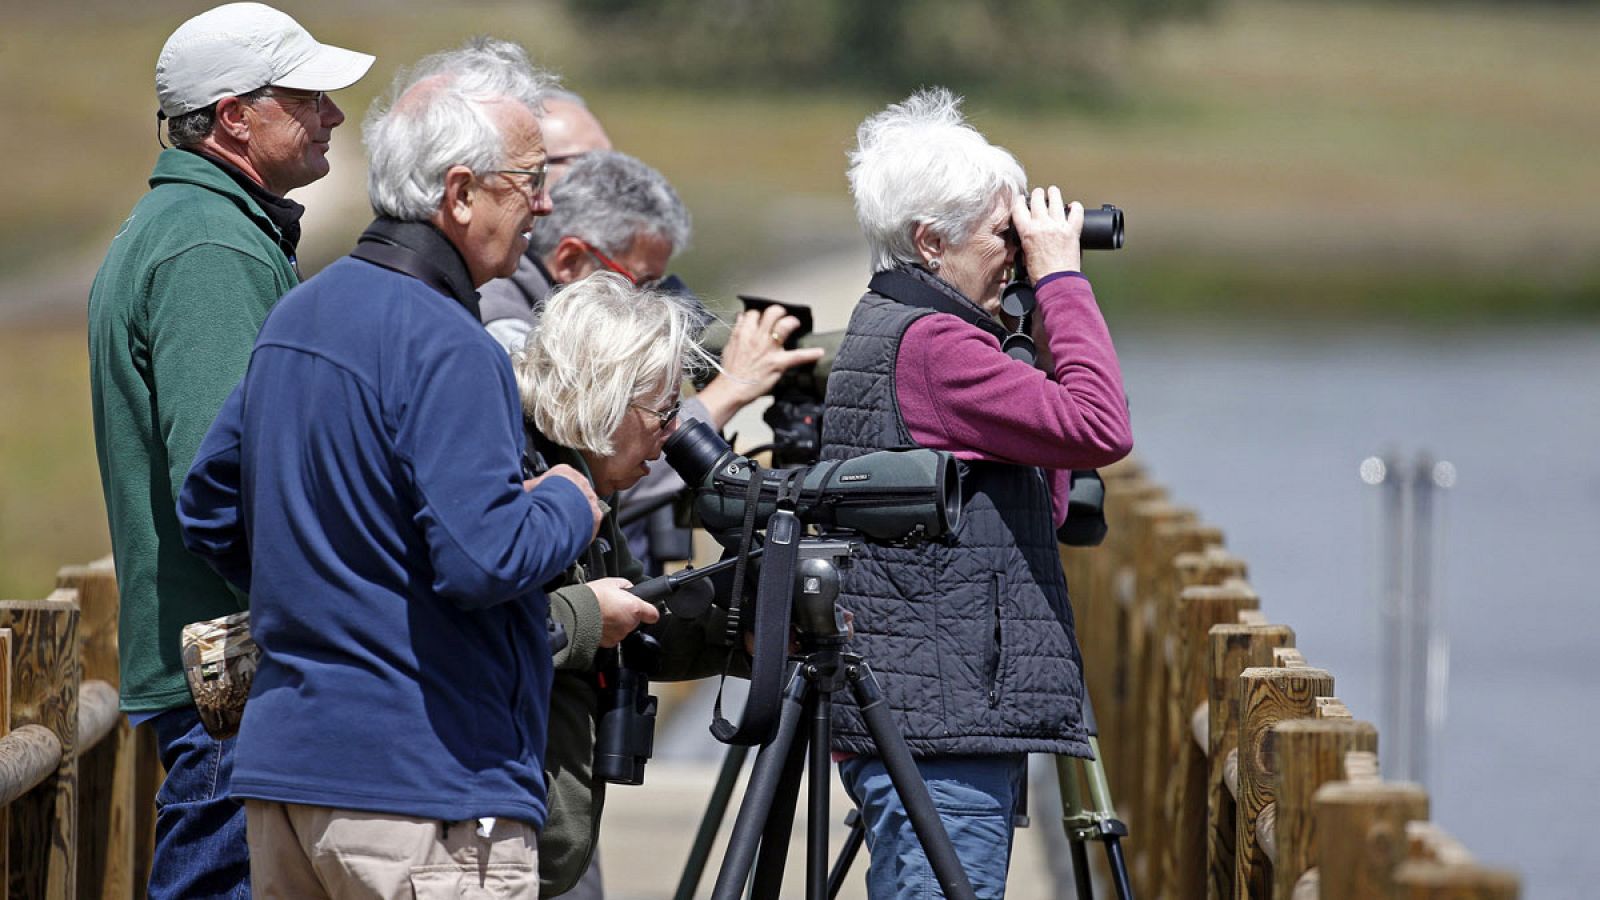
(959,392)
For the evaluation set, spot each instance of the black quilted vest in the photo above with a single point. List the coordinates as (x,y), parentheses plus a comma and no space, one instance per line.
(972,640)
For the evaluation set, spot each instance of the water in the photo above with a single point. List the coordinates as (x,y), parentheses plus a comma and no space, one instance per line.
(1263,431)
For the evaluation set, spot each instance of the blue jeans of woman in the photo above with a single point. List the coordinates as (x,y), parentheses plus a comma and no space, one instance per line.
(200,842)
(975,797)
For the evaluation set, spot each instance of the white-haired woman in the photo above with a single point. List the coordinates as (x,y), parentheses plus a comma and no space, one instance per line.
(972,640)
(599,378)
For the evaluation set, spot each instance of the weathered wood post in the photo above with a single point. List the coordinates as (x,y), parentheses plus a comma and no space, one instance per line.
(1152,576)
(111,842)
(1268,696)
(1424,880)
(1310,754)
(1361,828)
(1198,608)
(44,692)
(1233,649)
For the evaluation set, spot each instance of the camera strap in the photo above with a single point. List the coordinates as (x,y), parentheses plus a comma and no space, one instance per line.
(774,598)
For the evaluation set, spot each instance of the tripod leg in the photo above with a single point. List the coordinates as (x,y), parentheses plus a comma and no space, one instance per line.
(908,784)
(774,853)
(1080,870)
(817,810)
(759,793)
(847,853)
(1119,868)
(711,822)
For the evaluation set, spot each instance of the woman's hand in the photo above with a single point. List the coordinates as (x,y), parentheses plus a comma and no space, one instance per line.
(576,477)
(753,360)
(1048,230)
(620,611)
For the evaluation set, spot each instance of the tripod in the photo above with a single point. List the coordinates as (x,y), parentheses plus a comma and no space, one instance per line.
(766,816)
(1096,822)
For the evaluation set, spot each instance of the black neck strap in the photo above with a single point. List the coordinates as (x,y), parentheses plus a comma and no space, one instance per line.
(387,243)
(903,287)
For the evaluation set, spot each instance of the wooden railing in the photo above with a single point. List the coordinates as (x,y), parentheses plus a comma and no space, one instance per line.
(1239,772)
(77,784)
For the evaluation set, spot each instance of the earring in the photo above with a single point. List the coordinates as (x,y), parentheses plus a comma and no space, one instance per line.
(934,264)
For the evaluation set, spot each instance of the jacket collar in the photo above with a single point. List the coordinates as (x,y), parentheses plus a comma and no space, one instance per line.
(916,286)
(422,251)
(283,212)
(176,166)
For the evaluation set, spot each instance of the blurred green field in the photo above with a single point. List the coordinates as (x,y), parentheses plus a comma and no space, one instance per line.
(1296,159)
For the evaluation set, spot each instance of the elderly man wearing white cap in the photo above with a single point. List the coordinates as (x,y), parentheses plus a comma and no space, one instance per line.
(173,313)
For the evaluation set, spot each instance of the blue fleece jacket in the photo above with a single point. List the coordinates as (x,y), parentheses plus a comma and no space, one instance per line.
(363,483)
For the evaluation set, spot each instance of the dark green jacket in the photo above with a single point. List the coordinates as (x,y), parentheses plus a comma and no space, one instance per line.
(690,649)
(173,314)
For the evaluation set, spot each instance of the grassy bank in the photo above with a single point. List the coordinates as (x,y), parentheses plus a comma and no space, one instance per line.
(1448,151)
(1291,160)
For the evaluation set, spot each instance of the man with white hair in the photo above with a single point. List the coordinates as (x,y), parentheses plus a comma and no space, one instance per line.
(369,468)
(173,312)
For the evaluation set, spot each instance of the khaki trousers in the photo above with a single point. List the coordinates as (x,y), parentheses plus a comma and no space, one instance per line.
(317,852)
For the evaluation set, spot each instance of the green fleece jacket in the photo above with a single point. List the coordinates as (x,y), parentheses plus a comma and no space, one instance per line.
(690,649)
(173,314)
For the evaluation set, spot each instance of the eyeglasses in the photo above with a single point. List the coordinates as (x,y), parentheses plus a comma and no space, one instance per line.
(536,178)
(289,95)
(664,417)
(613,265)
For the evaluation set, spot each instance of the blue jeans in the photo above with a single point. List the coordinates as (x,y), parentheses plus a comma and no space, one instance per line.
(200,845)
(975,797)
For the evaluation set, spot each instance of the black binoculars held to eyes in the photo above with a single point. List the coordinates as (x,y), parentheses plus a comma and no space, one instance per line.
(1102,229)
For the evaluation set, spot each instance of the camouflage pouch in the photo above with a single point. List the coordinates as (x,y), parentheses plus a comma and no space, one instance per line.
(219,661)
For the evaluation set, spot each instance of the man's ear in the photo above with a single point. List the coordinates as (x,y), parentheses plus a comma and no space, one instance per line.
(929,245)
(569,260)
(458,195)
(230,120)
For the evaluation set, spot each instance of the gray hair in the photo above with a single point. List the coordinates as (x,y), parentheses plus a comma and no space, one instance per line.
(607,199)
(599,345)
(919,162)
(190,128)
(420,130)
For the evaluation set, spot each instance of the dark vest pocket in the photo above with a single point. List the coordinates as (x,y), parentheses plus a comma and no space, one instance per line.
(996,635)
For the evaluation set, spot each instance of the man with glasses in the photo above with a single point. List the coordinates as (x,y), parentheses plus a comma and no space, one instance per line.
(612,212)
(173,313)
(364,484)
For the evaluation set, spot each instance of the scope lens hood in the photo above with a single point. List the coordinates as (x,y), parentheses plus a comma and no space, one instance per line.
(695,450)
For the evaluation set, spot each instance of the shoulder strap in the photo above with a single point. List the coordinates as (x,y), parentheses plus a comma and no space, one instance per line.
(903,288)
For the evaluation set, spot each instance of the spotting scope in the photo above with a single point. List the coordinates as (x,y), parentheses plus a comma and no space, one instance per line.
(888,495)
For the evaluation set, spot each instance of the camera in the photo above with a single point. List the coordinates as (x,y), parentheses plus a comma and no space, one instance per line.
(887,496)
(625,725)
(795,415)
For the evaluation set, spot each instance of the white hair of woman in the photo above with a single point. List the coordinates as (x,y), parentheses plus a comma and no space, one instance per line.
(411,144)
(600,346)
(608,199)
(920,162)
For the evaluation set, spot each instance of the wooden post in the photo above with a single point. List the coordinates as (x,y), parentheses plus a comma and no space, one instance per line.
(1233,649)
(1116,667)
(1310,754)
(1171,541)
(108,809)
(1427,880)
(5,729)
(44,691)
(1183,762)
(1361,828)
(1153,576)
(1267,696)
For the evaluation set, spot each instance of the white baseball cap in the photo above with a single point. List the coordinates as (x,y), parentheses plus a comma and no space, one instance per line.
(239,47)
